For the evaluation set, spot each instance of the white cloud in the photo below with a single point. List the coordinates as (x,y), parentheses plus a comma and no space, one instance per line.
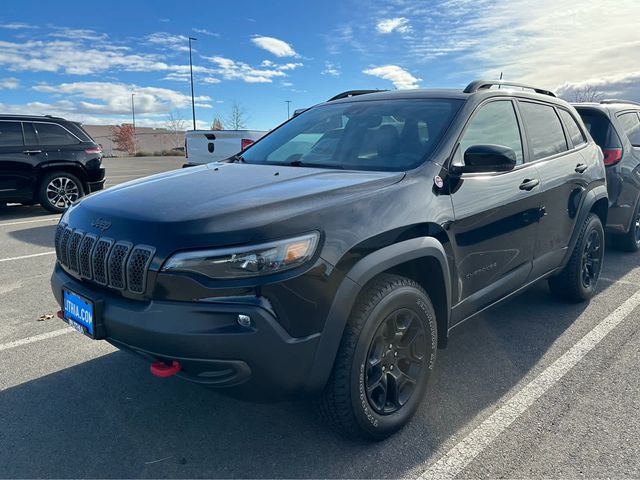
(106,98)
(624,86)
(389,25)
(275,46)
(9,83)
(178,43)
(331,69)
(204,31)
(17,26)
(78,34)
(400,77)
(234,70)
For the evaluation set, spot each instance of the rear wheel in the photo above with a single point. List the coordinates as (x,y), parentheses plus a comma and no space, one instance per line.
(58,190)
(630,242)
(578,281)
(384,361)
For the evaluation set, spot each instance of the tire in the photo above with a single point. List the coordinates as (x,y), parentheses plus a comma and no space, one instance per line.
(630,242)
(389,304)
(579,279)
(55,183)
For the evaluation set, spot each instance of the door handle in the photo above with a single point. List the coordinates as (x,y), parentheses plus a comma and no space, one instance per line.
(529,184)
(31,152)
(581,167)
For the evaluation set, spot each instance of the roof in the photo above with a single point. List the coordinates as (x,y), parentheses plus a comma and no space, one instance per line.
(31,117)
(615,105)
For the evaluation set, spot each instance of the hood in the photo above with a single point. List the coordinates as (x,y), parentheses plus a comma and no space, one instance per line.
(195,203)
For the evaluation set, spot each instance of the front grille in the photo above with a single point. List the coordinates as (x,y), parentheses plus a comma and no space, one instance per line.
(115,264)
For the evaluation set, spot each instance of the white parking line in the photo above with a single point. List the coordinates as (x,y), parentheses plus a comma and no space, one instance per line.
(461,455)
(10,259)
(49,219)
(35,338)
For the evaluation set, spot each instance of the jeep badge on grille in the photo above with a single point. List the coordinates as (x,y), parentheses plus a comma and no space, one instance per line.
(101,224)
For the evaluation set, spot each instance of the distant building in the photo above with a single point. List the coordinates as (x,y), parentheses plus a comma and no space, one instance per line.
(147,139)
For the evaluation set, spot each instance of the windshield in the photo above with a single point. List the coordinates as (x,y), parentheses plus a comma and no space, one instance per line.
(390,135)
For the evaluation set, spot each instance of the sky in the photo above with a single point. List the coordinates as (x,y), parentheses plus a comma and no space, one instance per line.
(83,60)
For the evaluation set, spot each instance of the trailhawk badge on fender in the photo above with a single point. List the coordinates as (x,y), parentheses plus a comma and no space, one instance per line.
(437,180)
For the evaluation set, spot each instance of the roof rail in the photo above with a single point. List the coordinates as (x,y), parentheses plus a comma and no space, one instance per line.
(353,93)
(486,84)
(617,100)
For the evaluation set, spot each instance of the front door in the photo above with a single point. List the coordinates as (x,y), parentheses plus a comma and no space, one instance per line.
(496,215)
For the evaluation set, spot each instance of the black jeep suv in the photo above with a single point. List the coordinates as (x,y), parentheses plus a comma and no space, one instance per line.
(615,126)
(47,160)
(335,255)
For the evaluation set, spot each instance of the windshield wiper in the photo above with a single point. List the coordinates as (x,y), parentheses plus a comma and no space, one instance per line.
(237,158)
(299,163)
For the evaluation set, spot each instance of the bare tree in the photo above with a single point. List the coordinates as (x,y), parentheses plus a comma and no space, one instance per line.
(217,124)
(176,125)
(124,138)
(588,93)
(237,119)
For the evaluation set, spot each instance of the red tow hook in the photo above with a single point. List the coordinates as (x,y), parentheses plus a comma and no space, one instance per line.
(162,370)
(60,314)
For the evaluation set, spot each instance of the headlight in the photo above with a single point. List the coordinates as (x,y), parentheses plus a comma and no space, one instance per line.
(244,262)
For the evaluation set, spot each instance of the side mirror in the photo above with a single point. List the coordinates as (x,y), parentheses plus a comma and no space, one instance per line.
(489,158)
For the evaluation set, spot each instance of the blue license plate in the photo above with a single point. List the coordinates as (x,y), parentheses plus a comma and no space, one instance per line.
(78,311)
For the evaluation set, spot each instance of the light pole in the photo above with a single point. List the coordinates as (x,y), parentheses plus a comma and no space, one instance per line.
(133,115)
(288,102)
(193,102)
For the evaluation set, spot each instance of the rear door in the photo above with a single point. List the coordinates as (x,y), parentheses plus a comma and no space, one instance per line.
(564,173)
(15,162)
(496,214)
(59,143)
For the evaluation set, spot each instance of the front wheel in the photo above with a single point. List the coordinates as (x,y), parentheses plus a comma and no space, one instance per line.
(387,352)
(58,190)
(578,281)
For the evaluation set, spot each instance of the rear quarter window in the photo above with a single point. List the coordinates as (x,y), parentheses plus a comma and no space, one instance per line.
(631,126)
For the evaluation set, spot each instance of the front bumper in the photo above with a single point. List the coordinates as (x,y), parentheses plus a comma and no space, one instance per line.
(261,362)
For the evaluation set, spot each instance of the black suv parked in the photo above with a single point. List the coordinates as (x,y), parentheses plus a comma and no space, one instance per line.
(336,254)
(615,126)
(47,160)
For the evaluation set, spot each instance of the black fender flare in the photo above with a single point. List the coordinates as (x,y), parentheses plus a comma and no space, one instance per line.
(361,273)
(597,193)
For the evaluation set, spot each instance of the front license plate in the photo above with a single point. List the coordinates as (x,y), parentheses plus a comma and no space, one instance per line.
(78,311)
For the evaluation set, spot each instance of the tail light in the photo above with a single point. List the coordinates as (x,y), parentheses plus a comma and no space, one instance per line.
(245,142)
(612,155)
(186,153)
(94,150)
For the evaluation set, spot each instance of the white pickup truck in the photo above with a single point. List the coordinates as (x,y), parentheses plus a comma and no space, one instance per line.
(205,146)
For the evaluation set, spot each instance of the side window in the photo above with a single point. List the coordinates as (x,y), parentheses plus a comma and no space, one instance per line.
(29,134)
(576,135)
(631,126)
(11,134)
(52,134)
(494,124)
(544,128)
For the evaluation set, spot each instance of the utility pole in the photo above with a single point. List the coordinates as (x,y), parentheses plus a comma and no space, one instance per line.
(193,101)
(133,115)
(288,102)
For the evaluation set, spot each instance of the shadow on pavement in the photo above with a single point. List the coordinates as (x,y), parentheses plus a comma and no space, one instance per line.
(110,418)
(23,212)
(42,236)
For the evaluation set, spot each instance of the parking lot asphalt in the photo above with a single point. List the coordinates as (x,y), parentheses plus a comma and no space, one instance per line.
(533,388)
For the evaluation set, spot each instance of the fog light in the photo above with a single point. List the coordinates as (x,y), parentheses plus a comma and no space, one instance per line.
(244,320)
